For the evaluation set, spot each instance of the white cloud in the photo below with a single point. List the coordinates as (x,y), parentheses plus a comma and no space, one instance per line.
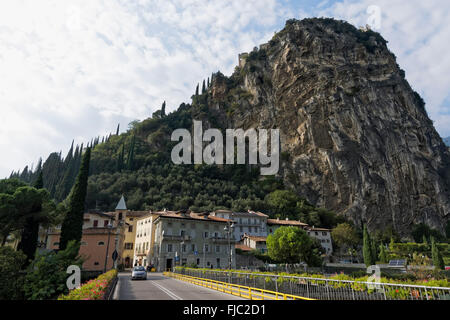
(76,70)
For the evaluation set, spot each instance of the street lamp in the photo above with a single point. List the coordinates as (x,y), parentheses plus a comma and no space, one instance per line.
(229,229)
(107,246)
(181,251)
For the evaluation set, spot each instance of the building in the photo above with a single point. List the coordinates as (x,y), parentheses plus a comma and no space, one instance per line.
(274,224)
(191,239)
(102,234)
(144,240)
(130,218)
(324,237)
(250,222)
(254,243)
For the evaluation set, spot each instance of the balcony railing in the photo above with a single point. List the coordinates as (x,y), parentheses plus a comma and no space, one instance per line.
(176,237)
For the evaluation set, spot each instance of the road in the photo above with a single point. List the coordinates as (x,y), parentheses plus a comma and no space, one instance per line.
(159,287)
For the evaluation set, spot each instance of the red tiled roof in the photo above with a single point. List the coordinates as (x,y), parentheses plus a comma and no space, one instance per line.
(191,216)
(256,238)
(258,213)
(317,229)
(243,247)
(286,222)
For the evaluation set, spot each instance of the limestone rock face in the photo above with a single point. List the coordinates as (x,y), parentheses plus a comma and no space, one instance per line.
(355,138)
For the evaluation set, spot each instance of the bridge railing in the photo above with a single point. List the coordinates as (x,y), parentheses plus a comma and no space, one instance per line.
(323,289)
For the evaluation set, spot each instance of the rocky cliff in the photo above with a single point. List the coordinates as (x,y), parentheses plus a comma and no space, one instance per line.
(355,137)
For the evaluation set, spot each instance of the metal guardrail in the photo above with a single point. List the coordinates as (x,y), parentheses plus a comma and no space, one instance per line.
(111,288)
(237,290)
(324,289)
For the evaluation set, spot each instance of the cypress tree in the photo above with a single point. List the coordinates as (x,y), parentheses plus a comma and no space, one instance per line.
(367,252)
(28,241)
(373,250)
(120,159)
(163,109)
(196,90)
(73,222)
(203,87)
(383,254)
(131,154)
(436,256)
(117,131)
(208,84)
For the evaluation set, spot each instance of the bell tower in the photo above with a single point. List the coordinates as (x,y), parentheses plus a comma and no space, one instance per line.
(121,211)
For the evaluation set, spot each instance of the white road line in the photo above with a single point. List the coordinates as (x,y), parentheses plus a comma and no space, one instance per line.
(170,293)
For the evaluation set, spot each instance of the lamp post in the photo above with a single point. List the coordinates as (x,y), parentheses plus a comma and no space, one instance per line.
(229,229)
(107,246)
(181,251)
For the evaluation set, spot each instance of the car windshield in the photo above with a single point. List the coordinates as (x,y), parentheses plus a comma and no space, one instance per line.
(139,269)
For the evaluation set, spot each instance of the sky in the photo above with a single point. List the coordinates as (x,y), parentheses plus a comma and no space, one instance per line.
(73,70)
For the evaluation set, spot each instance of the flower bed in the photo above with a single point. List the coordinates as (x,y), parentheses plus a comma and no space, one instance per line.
(431,282)
(94,289)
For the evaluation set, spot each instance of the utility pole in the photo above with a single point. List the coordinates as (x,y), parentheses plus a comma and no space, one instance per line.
(107,246)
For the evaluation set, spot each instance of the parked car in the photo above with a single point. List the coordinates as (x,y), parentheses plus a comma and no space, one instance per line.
(139,273)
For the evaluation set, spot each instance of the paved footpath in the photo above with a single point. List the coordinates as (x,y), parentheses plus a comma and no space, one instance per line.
(159,287)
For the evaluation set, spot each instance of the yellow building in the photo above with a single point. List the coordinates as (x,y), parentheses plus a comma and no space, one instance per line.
(130,218)
(145,239)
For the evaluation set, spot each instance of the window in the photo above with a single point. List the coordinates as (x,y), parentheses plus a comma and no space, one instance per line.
(105,223)
(130,229)
(324,233)
(316,233)
(95,223)
(241,229)
(183,248)
(101,243)
(270,230)
(218,262)
(120,215)
(169,247)
(198,261)
(205,235)
(249,229)
(217,248)
(193,247)
(129,246)
(56,244)
(182,233)
(96,263)
(206,248)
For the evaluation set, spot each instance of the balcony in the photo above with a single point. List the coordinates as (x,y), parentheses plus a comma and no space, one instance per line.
(141,253)
(180,238)
(222,239)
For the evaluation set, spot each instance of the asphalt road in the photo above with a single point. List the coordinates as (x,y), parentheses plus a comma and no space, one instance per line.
(159,287)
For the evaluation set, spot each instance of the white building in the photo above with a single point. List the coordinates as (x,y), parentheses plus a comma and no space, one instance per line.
(251,222)
(324,237)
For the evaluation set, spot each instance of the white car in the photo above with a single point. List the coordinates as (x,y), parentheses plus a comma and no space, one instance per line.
(139,273)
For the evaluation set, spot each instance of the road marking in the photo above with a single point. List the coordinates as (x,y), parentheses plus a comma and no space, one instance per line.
(170,293)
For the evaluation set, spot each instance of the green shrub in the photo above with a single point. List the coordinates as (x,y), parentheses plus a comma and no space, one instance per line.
(11,279)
